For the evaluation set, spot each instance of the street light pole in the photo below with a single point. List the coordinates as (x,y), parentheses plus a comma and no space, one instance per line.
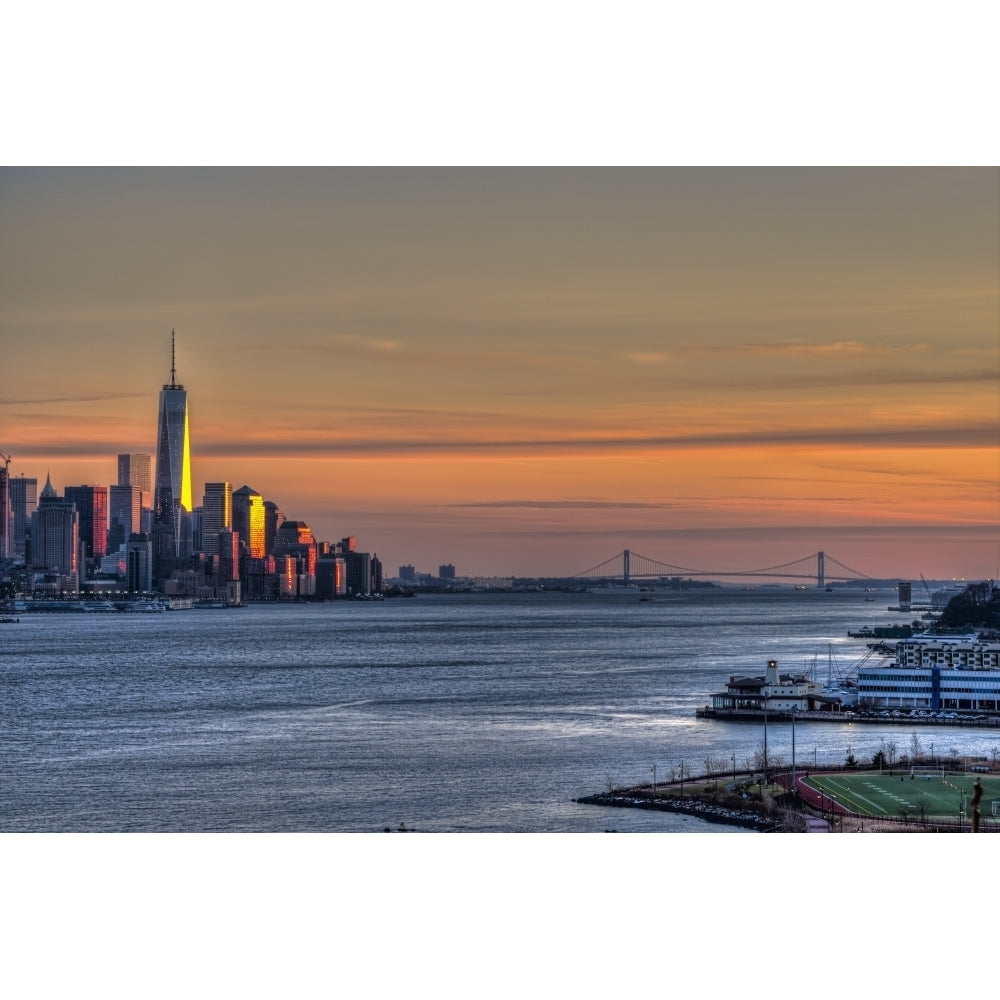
(794,786)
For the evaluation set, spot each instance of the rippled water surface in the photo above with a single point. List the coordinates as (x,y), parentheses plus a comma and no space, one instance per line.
(464,713)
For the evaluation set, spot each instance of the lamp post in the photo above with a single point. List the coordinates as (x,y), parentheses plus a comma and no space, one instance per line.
(765,740)
(794,786)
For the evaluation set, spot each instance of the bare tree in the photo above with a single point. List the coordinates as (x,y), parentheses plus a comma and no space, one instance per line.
(915,749)
(890,751)
(922,810)
(906,811)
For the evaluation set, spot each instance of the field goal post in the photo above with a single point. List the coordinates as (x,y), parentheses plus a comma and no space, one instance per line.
(927,771)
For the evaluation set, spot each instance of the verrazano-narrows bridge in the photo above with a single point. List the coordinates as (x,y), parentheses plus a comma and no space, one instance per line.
(627,566)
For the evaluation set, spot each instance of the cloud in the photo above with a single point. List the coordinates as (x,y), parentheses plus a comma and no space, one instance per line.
(101,397)
(561,505)
(975,435)
(648,358)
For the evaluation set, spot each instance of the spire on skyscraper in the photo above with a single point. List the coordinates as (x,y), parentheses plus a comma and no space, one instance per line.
(173,384)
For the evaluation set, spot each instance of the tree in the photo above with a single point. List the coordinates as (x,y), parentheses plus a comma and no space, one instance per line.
(851,761)
(915,750)
(906,811)
(891,750)
(922,810)
(879,759)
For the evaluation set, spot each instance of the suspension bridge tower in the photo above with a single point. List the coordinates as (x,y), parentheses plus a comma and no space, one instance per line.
(820,569)
(625,566)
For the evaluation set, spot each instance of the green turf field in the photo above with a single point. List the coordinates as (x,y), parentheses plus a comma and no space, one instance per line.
(874,794)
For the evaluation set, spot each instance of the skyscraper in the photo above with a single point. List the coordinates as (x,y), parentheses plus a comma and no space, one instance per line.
(92,511)
(248,521)
(24,500)
(55,537)
(172,502)
(216,515)
(6,512)
(133,470)
(123,514)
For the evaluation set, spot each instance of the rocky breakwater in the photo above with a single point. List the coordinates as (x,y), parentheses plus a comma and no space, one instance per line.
(713,812)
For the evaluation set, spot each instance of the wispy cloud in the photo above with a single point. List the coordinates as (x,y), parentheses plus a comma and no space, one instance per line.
(561,505)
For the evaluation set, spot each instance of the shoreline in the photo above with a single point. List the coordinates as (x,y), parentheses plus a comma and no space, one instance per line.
(753,715)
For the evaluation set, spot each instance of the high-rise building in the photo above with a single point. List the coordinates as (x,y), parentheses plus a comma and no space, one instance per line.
(216,515)
(133,470)
(23,500)
(92,510)
(139,564)
(124,514)
(172,500)
(248,521)
(55,536)
(273,519)
(6,512)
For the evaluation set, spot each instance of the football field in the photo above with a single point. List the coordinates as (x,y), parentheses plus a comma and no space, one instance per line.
(936,796)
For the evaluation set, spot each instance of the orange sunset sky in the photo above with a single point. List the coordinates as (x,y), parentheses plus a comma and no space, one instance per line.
(526,370)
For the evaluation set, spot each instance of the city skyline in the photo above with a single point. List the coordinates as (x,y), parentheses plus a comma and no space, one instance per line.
(525,371)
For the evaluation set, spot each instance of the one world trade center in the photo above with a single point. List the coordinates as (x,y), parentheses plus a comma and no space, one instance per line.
(172,497)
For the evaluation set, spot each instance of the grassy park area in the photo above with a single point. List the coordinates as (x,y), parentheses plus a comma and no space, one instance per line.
(944,796)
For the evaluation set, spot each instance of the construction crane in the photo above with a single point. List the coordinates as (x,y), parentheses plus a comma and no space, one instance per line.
(927,588)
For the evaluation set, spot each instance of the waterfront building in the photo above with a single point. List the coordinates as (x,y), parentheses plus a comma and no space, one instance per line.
(772,692)
(935,673)
(248,521)
(23,501)
(124,514)
(446,572)
(331,576)
(216,515)
(138,564)
(359,572)
(92,511)
(172,495)
(55,538)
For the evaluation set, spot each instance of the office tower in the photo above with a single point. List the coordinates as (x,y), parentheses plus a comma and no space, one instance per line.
(248,521)
(124,514)
(331,580)
(228,562)
(359,572)
(23,500)
(133,470)
(139,564)
(55,536)
(446,572)
(295,538)
(172,499)
(273,519)
(216,515)
(294,544)
(6,511)
(92,511)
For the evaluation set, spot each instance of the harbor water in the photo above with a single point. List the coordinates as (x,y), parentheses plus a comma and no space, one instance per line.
(463,713)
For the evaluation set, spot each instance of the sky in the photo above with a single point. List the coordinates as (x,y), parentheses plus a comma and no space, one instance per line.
(524,371)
